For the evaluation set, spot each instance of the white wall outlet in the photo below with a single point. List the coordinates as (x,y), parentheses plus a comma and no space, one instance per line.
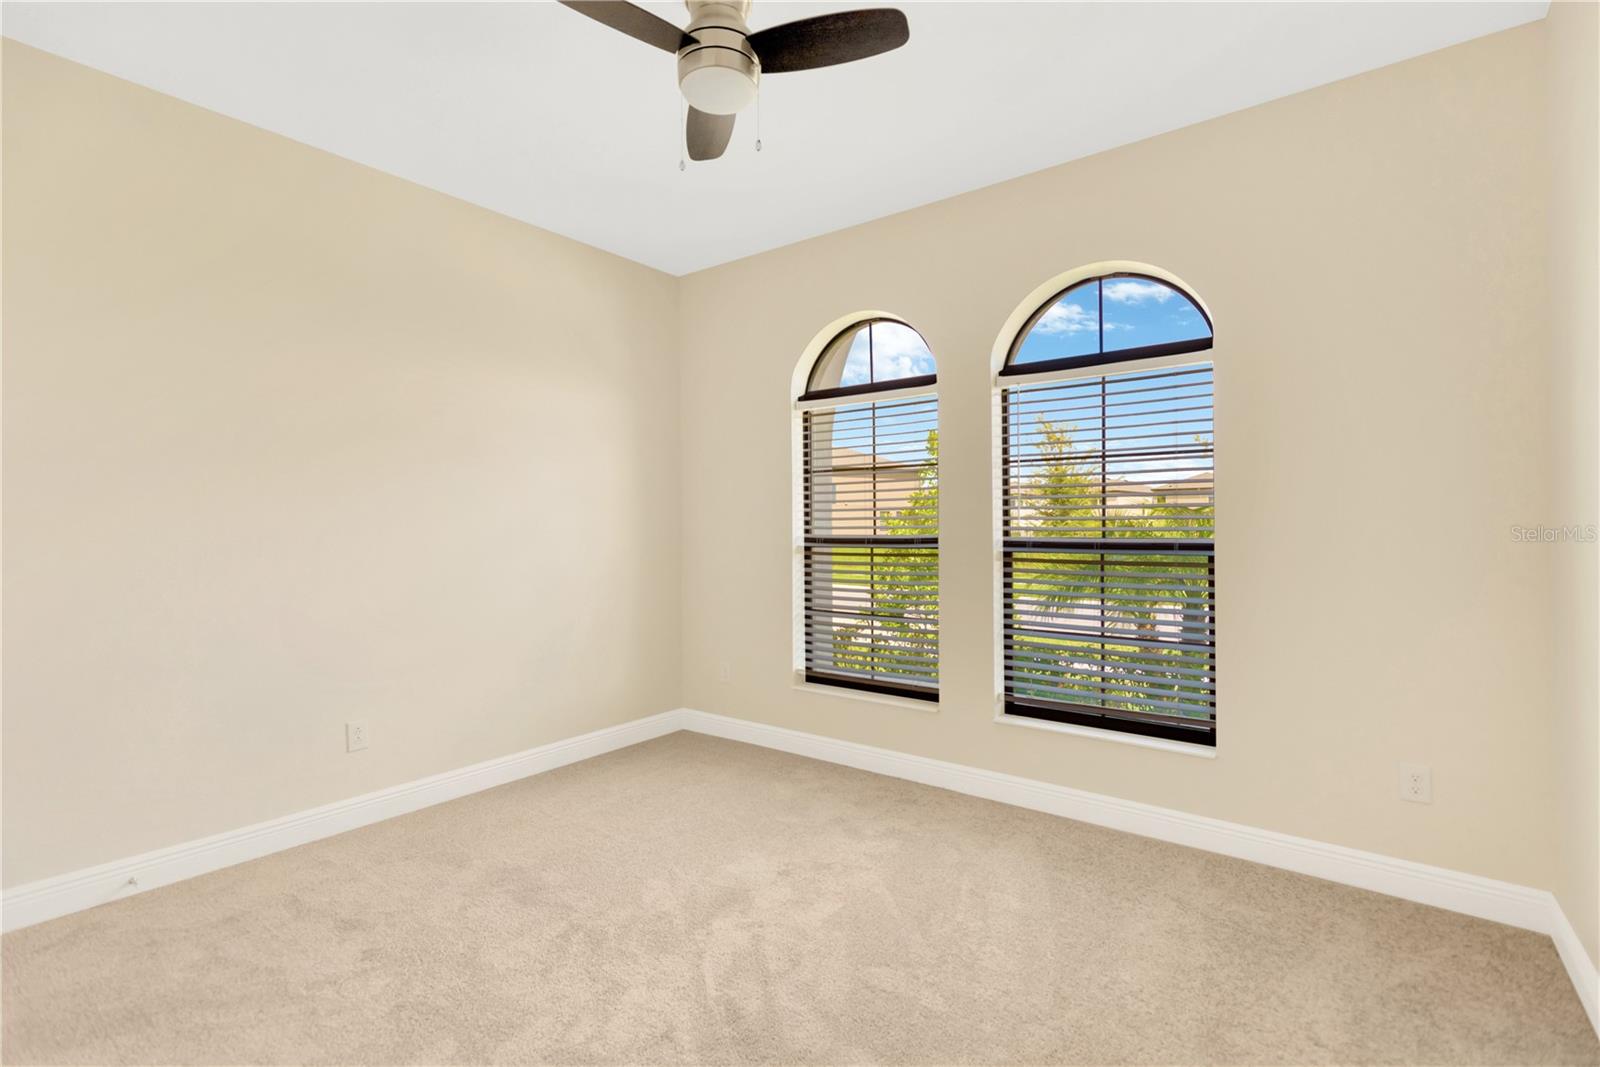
(1416,783)
(355,735)
(725,672)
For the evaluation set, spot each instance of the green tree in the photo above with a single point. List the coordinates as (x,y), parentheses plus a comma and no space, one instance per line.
(1145,599)
(1136,603)
(902,584)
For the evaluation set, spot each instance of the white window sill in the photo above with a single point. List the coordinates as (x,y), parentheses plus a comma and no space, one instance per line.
(925,706)
(1114,736)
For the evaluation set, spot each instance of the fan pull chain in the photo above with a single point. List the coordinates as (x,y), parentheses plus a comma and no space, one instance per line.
(758,118)
(683,131)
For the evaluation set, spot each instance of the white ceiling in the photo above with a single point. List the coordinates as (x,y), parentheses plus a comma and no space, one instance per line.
(546,116)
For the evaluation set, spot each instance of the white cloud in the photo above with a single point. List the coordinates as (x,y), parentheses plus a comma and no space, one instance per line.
(1134,291)
(903,365)
(855,361)
(897,352)
(1066,318)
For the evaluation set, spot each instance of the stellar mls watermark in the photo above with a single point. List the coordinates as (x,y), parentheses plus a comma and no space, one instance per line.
(1581,533)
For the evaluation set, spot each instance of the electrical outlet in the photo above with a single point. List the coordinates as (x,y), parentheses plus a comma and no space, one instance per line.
(355,736)
(725,673)
(1416,783)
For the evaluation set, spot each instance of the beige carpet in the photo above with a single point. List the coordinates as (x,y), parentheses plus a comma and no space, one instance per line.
(696,900)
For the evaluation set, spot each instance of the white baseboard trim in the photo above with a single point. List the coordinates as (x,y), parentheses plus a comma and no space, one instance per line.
(1580,968)
(1515,905)
(1469,894)
(1483,897)
(49,898)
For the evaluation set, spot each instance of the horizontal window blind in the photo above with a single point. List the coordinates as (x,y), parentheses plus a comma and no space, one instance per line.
(871,545)
(1108,601)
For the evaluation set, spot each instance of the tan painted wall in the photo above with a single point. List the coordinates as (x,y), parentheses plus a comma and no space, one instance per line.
(1374,254)
(289,442)
(1574,78)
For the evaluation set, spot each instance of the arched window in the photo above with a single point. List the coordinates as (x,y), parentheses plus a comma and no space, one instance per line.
(868,569)
(1107,511)
(1109,319)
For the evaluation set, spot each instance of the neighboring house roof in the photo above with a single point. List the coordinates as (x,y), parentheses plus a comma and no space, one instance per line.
(849,474)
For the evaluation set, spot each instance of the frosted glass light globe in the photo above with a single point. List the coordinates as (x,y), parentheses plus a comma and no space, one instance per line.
(718,90)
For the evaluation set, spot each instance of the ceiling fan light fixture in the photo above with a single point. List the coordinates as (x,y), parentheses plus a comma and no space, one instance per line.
(717,73)
(718,90)
(720,61)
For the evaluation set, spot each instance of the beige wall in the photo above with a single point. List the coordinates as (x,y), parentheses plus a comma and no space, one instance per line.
(1374,255)
(289,442)
(1574,80)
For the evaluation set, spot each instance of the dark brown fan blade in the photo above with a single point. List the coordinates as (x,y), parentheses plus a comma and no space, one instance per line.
(824,40)
(708,134)
(634,21)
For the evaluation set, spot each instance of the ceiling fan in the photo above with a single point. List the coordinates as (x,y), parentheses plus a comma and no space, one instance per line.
(720,60)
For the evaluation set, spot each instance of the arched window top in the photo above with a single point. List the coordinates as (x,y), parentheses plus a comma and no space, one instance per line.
(1109,319)
(871,356)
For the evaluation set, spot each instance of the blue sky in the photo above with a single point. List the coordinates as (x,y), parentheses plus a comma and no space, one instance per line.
(1138,312)
(1152,420)
(1149,414)
(898,351)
